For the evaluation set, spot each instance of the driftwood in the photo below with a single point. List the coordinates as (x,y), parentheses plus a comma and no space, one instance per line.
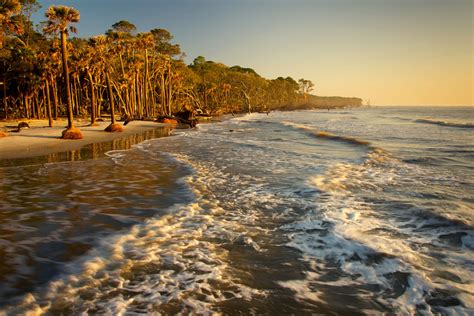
(127,119)
(185,117)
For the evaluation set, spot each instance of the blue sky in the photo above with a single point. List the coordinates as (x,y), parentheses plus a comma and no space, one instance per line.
(394,52)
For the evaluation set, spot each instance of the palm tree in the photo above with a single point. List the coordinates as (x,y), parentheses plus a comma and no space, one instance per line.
(59,18)
(102,47)
(9,21)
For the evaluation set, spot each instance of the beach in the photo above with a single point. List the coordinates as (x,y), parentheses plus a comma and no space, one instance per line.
(236,158)
(41,140)
(275,214)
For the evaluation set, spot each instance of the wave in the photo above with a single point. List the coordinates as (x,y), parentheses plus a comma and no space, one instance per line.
(330,136)
(401,118)
(370,245)
(445,123)
(350,140)
(174,263)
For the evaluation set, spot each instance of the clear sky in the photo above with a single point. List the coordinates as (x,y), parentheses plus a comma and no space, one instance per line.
(393,52)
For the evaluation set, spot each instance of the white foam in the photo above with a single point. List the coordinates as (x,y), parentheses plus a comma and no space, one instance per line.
(187,269)
(350,227)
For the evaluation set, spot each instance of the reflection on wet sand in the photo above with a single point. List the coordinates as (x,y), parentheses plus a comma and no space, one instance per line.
(91,151)
(56,207)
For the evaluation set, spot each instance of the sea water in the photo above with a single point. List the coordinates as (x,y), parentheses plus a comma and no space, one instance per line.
(355,211)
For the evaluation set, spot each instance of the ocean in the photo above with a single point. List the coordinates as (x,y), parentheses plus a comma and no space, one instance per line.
(341,212)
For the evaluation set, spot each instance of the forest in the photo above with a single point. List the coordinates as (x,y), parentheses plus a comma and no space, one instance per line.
(47,73)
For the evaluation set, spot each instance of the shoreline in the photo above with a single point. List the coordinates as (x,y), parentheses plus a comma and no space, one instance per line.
(40,140)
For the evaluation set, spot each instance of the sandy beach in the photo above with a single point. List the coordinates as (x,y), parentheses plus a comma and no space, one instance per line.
(39,139)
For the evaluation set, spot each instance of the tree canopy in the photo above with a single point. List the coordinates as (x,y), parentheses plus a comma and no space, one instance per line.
(142,73)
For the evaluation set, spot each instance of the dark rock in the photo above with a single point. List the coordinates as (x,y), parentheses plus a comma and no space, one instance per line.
(22,125)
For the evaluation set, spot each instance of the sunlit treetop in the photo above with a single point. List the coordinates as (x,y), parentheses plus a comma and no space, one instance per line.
(59,18)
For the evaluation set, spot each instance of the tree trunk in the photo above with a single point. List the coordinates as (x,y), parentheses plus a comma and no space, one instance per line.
(169,88)
(122,102)
(27,106)
(152,98)
(133,98)
(77,91)
(44,102)
(91,83)
(55,96)
(70,117)
(138,92)
(48,105)
(73,99)
(111,98)
(162,96)
(35,106)
(145,85)
(121,65)
(5,105)
(247,98)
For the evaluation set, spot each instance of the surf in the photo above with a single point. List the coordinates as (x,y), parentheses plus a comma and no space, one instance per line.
(444,123)
(282,213)
(349,232)
(326,135)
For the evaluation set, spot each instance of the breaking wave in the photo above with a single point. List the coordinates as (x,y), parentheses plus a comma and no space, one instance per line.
(330,136)
(172,263)
(445,123)
(380,255)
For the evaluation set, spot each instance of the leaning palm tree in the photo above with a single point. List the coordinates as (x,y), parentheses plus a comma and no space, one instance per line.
(59,18)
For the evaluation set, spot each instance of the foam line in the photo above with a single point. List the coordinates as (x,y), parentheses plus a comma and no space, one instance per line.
(330,136)
(370,248)
(445,123)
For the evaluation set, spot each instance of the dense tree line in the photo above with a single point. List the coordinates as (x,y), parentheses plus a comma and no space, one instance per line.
(46,74)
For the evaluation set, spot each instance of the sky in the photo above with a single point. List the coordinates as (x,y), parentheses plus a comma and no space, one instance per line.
(391,52)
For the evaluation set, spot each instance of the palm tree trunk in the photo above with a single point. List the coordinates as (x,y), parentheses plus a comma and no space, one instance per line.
(5,105)
(122,102)
(121,65)
(145,85)
(152,98)
(162,96)
(73,102)
(91,83)
(111,97)
(34,107)
(169,87)
(48,105)
(55,96)
(27,106)
(133,98)
(138,92)
(44,102)
(76,94)
(100,93)
(70,117)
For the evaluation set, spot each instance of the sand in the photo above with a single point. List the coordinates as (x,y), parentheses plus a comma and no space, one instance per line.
(39,139)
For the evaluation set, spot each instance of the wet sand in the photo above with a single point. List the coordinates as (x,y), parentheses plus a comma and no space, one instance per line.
(41,140)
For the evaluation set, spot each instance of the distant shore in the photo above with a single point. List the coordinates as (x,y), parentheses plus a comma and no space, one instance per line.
(41,140)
